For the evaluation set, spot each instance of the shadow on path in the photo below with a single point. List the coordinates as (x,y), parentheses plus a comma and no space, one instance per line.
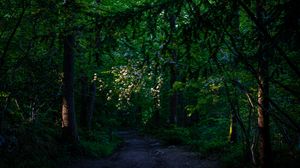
(141,152)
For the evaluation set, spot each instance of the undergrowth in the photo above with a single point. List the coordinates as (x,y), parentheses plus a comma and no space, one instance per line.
(31,146)
(208,141)
(35,145)
(99,143)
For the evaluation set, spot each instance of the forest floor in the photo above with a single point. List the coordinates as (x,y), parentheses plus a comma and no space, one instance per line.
(145,152)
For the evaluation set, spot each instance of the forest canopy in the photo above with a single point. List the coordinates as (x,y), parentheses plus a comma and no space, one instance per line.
(219,76)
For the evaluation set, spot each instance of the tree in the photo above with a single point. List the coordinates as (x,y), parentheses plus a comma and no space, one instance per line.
(97,38)
(263,90)
(173,68)
(68,108)
(84,100)
(91,102)
(233,100)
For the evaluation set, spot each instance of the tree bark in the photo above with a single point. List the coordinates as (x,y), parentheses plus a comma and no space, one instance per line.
(97,39)
(88,95)
(84,101)
(263,115)
(173,98)
(233,127)
(69,130)
(3,109)
(156,99)
(156,114)
(233,102)
(92,100)
(182,116)
(263,93)
(173,71)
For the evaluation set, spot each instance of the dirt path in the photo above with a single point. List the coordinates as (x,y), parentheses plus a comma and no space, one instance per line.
(139,152)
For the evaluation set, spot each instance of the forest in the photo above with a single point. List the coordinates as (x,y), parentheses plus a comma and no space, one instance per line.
(216,78)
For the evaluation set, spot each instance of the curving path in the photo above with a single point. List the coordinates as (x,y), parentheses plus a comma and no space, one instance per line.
(140,152)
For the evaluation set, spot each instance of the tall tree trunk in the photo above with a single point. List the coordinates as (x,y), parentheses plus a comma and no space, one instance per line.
(91,102)
(138,115)
(233,126)
(88,95)
(173,98)
(263,114)
(156,99)
(182,115)
(68,112)
(173,71)
(84,101)
(232,100)
(156,114)
(1,119)
(263,93)
(97,39)
(3,109)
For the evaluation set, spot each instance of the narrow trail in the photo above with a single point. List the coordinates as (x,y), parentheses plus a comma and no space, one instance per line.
(140,152)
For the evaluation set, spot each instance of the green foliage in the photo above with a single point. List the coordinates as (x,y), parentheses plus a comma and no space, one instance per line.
(4,94)
(175,135)
(233,156)
(209,136)
(32,145)
(209,141)
(178,86)
(99,143)
(131,45)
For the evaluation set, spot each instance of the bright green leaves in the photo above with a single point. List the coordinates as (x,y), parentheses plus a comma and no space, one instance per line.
(178,86)
(4,94)
(127,80)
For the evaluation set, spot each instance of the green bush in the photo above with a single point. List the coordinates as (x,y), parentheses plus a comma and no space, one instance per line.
(98,143)
(175,136)
(97,149)
(38,145)
(233,157)
(207,147)
(34,146)
(208,140)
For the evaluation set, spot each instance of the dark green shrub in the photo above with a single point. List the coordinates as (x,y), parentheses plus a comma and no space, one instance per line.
(98,143)
(175,136)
